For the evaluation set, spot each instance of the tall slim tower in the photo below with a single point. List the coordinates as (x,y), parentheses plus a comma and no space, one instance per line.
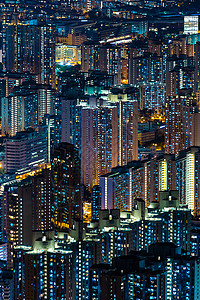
(197,65)
(18,223)
(41,201)
(128,131)
(66,185)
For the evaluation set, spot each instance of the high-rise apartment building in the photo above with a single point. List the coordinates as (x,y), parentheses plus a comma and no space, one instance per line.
(135,276)
(30,48)
(104,131)
(25,150)
(182,117)
(145,68)
(43,270)
(71,121)
(152,96)
(187,178)
(113,134)
(128,130)
(28,208)
(103,57)
(197,65)
(114,234)
(26,107)
(89,146)
(146,179)
(18,223)
(41,200)
(138,179)
(95,201)
(66,185)
(53,124)
(124,184)
(9,80)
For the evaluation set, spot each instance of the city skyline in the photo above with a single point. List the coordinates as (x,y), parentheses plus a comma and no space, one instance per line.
(100,150)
